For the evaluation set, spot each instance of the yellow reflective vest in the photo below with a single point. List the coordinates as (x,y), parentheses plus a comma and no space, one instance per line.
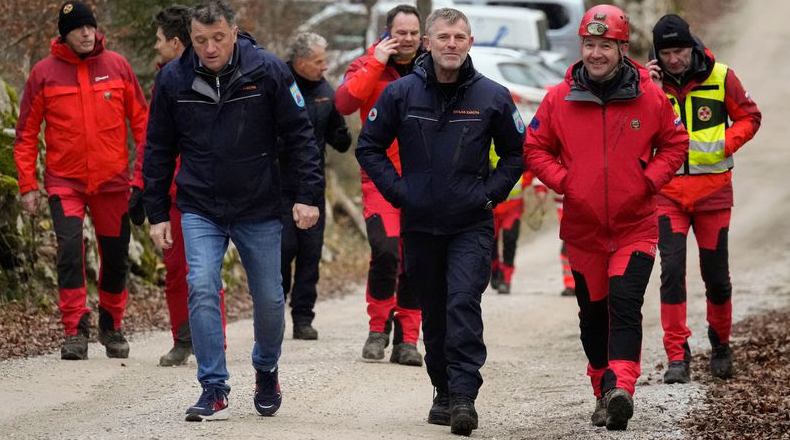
(705,117)
(517,193)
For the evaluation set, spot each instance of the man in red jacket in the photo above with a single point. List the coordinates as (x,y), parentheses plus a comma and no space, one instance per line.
(706,94)
(85,94)
(389,59)
(593,139)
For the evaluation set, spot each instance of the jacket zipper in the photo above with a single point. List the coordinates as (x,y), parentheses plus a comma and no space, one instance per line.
(218,94)
(606,182)
(425,142)
(460,145)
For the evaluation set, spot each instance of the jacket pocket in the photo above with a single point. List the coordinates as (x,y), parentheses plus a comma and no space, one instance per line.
(417,192)
(108,97)
(467,193)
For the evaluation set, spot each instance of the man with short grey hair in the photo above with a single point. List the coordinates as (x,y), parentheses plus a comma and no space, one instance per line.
(302,247)
(445,116)
(222,106)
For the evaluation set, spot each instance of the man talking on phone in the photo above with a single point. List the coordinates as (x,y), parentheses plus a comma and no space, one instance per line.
(389,297)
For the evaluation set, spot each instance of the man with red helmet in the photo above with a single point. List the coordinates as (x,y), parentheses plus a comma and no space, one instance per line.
(705,93)
(608,139)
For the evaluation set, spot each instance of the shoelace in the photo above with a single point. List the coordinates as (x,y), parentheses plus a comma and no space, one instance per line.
(209,396)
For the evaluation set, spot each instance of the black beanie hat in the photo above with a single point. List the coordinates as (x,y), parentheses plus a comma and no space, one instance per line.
(73,15)
(671,31)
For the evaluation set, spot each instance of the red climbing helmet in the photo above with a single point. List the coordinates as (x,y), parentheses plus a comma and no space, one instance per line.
(605,21)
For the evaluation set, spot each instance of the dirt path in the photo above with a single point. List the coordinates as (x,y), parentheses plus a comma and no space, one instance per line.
(535,375)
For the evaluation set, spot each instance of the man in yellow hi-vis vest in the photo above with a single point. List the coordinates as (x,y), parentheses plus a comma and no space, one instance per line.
(720,117)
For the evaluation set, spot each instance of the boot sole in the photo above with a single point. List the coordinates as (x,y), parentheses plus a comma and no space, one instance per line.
(163,363)
(74,356)
(462,425)
(219,415)
(618,411)
(118,354)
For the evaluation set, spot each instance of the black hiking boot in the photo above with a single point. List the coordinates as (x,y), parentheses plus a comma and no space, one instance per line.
(496,279)
(305,332)
(111,338)
(463,417)
(406,353)
(598,417)
(504,288)
(373,350)
(721,361)
(74,348)
(677,372)
(182,348)
(440,410)
(568,292)
(619,409)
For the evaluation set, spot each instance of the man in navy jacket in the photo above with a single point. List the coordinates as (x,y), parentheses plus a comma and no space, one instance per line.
(444,116)
(222,106)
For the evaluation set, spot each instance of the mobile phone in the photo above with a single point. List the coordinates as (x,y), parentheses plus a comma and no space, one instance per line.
(386,34)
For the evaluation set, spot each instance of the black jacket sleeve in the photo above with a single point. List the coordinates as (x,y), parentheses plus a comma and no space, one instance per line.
(374,140)
(161,151)
(293,126)
(337,134)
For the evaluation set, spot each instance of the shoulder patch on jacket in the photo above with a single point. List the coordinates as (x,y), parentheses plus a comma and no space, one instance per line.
(297,94)
(518,121)
(534,123)
(372,114)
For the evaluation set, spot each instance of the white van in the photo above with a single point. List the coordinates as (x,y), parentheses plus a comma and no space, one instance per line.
(563,17)
(509,27)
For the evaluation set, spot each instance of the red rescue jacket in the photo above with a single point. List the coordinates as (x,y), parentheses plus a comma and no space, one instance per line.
(362,84)
(600,155)
(85,103)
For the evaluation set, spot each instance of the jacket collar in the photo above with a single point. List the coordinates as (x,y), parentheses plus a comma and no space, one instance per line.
(60,49)
(304,83)
(424,69)
(625,85)
(243,55)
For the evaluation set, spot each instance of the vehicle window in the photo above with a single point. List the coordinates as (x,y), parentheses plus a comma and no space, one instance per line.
(557,15)
(518,73)
(344,32)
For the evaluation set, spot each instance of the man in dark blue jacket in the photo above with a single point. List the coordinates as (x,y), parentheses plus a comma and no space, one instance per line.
(222,105)
(302,247)
(445,115)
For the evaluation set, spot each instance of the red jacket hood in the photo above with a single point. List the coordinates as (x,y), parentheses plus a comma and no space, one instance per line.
(60,49)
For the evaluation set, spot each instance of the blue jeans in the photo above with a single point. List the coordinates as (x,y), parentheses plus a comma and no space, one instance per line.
(205,243)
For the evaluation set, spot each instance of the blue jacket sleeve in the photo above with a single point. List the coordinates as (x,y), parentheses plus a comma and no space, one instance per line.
(161,151)
(376,136)
(507,130)
(296,132)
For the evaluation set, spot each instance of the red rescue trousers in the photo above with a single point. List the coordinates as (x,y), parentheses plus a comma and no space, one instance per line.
(610,291)
(386,275)
(109,212)
(507,224)
(711,231)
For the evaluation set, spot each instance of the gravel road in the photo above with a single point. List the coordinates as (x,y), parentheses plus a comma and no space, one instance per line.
(535,382)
